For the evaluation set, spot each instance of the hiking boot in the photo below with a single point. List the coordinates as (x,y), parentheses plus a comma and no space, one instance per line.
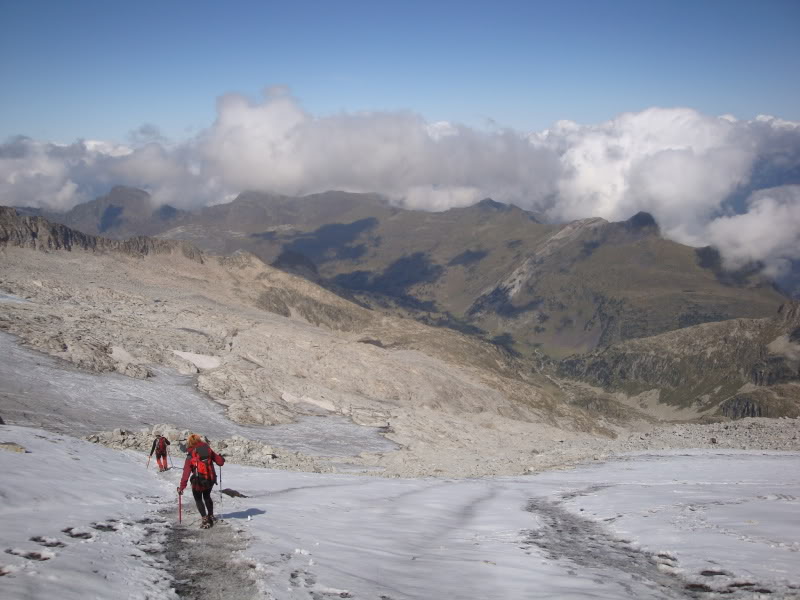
(206,524)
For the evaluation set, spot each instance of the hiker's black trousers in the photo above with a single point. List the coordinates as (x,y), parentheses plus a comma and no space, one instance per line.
(203,497)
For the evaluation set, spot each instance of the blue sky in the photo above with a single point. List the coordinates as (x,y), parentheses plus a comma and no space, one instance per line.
(98,70)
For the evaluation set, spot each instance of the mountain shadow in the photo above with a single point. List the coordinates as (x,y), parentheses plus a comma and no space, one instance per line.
(506,342)
(397,279)
(165,212)
(468,257)
(499,302)
(297,263)
(333,242)
(111,217)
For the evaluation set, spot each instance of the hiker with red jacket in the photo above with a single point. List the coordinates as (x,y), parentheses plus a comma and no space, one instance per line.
(199,464)
(160,448)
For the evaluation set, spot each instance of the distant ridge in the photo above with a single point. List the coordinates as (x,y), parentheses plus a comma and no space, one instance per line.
(123,212)
(736,368)
(39,233)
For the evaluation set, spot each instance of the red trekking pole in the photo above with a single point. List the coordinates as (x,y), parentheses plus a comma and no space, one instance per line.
(180,507)
(221,507)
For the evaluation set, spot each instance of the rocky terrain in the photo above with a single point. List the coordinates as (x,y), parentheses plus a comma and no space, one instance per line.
(490,269)
(781,434)
(272,347)
(739,368)
(41,234)
(237,449)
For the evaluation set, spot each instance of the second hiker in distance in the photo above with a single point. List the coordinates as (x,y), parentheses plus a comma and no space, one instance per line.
(160,448)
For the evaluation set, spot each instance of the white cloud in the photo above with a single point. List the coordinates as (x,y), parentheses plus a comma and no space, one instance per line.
(676,163)
(36,174)
(275,145)
(428,197)
(769,231)
(693,172)
(101,147)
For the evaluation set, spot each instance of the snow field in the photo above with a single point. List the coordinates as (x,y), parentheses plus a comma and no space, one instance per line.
(83,521)
(438,538)
(733,515)
(79,521)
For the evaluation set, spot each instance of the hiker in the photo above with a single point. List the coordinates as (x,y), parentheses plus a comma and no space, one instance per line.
(160,448)
(200,465)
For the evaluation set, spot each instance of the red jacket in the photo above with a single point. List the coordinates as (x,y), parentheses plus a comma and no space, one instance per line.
(156,446)
(201,449)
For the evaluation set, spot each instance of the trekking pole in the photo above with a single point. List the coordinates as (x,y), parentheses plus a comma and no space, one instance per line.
(169,456)
(180,507)
(221,507)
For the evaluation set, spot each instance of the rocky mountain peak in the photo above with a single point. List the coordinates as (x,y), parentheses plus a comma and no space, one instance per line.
(642,220)
(40,234)
(489,204)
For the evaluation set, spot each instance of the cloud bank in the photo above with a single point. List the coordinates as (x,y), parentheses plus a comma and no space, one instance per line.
(707,180)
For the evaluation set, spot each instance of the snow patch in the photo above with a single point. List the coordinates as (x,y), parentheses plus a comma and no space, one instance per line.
(119,354)
(5,297)
(315,402)
(201,361)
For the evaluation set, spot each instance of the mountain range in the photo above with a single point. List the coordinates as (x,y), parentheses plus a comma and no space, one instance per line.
(608,311)
(490,269)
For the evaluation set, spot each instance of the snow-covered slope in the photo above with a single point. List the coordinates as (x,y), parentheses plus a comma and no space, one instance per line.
(79,521)
(640,527)
(650,526)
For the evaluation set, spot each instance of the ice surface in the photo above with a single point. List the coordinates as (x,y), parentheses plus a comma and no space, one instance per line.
(725,520)
(36,389)
(474,538)
(732,510)
(70,521)
(201,361)
(5,297)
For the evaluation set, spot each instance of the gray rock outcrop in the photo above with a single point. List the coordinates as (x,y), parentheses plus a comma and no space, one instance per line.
(41,234)
(236,449)
(742,367)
